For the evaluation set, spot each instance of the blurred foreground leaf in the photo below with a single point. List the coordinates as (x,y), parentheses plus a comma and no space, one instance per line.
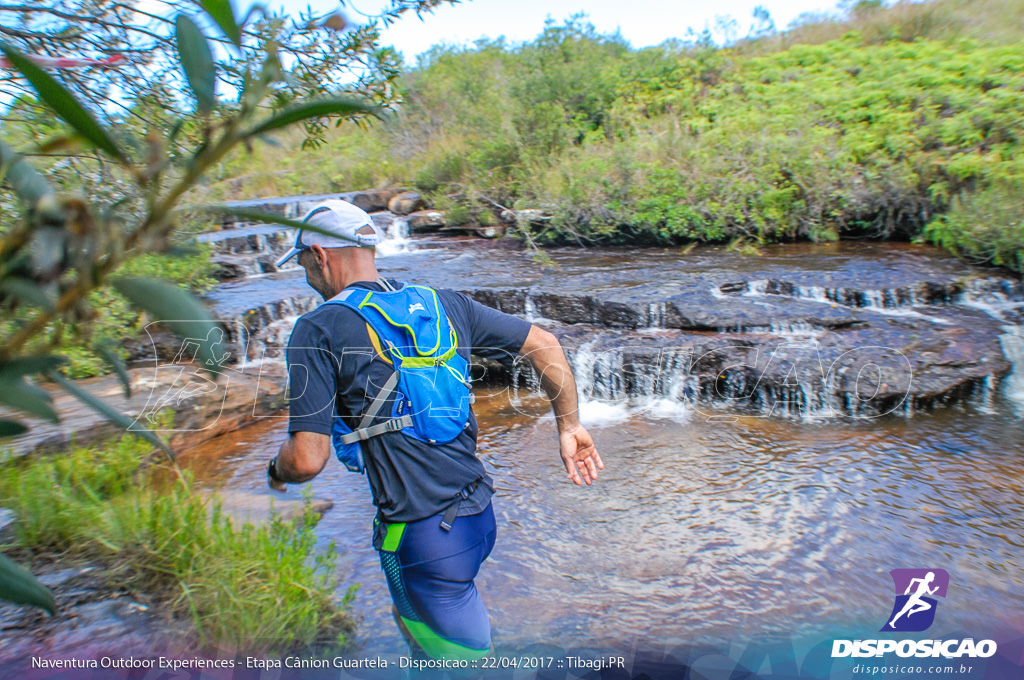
(224,16)
(62,102)
(197,62)
(315,109)
(11,428)
(21,587)
(179,311)
(110,413)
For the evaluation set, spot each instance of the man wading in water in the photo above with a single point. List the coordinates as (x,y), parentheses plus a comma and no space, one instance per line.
(380,370)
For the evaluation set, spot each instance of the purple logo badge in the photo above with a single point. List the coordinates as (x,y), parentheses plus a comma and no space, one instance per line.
(914,608)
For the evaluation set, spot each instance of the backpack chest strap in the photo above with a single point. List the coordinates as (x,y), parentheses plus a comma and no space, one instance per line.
(363,433)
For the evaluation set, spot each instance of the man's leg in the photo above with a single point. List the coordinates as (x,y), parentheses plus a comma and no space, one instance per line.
(415,650)
(430,575)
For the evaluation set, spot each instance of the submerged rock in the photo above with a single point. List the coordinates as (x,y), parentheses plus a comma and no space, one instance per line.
(425,221)
(258,508)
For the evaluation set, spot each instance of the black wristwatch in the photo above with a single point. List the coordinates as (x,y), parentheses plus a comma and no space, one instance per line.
(272,470)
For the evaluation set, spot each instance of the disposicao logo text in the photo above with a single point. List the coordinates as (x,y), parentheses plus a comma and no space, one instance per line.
(913,611)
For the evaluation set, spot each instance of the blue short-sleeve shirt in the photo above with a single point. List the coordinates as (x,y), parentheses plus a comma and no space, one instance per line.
(334,371)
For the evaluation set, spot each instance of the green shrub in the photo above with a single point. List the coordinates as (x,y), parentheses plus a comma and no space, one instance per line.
(987,226)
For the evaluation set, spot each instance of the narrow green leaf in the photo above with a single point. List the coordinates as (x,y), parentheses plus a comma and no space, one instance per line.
(222,13)
(314,109)
(176,129)
(29,185)
(108,351)
(110,413)
(18,394)
(197,62)
(21,587)
(27,291)
(15,368)
(62,102)
(179,311)
(11,428)
(270,218)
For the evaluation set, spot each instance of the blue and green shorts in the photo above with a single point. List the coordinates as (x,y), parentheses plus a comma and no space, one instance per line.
(430,574)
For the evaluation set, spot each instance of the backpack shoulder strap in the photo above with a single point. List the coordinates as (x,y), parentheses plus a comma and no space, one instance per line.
(366,430)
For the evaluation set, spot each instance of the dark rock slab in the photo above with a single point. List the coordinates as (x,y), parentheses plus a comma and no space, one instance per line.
(229,267)
(294,207)
(885,365)
(374,200)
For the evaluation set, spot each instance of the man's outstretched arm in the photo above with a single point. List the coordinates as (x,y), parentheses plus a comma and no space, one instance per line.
(576,446)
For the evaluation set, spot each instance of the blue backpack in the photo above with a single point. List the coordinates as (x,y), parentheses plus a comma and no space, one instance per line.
(431,383)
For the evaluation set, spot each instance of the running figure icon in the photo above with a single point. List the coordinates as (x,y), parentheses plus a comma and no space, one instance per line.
(916,603)
(916,598)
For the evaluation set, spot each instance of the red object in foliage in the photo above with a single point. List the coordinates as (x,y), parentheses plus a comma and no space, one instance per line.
(68,62)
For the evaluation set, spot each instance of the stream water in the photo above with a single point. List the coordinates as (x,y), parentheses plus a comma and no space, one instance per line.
(706,529)
(708,524)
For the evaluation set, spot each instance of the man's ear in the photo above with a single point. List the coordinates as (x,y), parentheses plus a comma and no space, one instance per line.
(320,254)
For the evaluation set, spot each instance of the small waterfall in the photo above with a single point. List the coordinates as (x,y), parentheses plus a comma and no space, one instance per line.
(884,300)
(268,327)
(530,309)
(396,234)
(1012,341)
(530,312)
(618,383)
(1003,300)
(656,315)
(757,287)
(813,293)
(794,380)
(796,329)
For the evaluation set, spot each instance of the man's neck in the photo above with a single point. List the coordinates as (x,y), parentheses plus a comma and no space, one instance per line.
(354,275)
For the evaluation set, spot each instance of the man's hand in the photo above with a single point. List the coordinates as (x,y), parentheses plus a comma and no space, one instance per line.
(580,456)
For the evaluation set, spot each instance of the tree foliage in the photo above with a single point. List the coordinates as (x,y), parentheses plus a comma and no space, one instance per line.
(318,55)
(122,150)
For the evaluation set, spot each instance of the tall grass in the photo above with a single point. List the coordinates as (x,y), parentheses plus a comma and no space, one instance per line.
(243,587)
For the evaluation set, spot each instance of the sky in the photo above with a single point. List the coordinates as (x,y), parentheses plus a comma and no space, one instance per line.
(641,22)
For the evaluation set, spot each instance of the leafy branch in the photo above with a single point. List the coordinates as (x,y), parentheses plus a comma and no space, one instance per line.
(61,247)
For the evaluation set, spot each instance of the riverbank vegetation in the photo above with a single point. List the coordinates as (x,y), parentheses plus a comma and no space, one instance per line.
(894,122)
(229,587)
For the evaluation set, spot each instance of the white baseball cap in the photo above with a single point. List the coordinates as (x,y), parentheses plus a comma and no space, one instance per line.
(343,220)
